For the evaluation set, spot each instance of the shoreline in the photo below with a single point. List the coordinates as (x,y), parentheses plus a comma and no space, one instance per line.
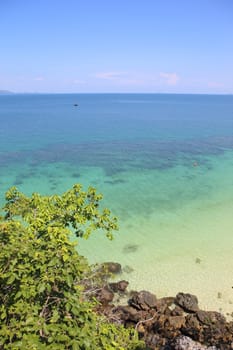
(202,265)
(168,323)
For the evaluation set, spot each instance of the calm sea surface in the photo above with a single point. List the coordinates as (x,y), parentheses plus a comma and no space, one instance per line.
(165,166)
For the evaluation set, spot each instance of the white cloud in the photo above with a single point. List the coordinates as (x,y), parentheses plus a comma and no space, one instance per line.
(39,79)
(170,78)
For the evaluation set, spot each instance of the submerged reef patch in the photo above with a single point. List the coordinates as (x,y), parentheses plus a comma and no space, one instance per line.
(130,248)
(117,157)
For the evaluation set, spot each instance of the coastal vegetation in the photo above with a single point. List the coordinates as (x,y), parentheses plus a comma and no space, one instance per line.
(52,298)
(44,299)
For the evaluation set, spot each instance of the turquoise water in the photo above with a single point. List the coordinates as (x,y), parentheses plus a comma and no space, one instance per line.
(165,166)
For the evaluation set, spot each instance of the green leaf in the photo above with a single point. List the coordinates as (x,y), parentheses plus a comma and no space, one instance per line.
(75,346)
(11,279)
(42,287)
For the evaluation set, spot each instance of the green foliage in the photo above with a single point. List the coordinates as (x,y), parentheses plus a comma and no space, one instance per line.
(42,303)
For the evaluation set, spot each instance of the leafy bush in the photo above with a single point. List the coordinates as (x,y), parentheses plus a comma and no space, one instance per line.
(42,304)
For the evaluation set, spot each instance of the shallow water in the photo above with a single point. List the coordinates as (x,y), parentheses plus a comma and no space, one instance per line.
(165,166)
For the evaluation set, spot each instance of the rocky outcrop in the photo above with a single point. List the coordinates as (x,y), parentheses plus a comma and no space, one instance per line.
(188,302)
(143,300)
(119,287)
(170,323)
(111,267)
(173,323)
(104,295)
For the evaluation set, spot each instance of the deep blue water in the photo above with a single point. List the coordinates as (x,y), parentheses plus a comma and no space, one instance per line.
(49,127)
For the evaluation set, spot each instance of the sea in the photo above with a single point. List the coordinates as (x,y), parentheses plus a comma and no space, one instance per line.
(164,164)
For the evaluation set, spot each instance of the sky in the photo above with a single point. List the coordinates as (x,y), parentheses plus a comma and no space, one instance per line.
(149,46)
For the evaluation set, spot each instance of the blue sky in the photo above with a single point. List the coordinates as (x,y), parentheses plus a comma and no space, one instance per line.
(174,46)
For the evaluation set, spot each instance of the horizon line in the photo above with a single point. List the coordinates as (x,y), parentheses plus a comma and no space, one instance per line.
(7,92)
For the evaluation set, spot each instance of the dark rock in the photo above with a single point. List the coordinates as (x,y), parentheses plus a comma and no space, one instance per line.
(175,322)
(166,323)
(119,286)
(177,311)
(111,267)
(128,313)
(105,310)
(155,341)
(159,323)
(163,305)
(187,301)
(104,295)
(208,317)
(192,322)
(168,327)
(143,300)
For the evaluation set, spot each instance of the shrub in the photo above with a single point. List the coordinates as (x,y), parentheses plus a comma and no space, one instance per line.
(42,304)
